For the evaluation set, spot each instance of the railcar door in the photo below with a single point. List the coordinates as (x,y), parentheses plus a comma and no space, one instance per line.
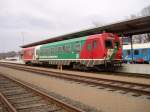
(90,49)
(95,49)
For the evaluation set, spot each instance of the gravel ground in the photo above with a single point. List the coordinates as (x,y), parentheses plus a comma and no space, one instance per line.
(101,99)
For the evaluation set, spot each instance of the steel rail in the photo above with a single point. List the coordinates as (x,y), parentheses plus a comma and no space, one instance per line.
(5,102)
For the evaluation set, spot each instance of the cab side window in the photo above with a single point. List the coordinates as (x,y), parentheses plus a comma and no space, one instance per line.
(108,44)
(95,44)
(89,47)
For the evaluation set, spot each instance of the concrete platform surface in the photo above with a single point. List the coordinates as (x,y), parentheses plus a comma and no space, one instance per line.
(136,68)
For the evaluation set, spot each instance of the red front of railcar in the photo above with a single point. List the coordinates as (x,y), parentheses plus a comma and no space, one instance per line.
(28,54)
(102,46)
(105,48)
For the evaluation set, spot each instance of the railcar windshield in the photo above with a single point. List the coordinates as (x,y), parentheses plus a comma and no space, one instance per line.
(108,44)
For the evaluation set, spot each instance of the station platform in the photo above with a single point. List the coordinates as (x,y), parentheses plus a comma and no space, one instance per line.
(16,61)
(136,68)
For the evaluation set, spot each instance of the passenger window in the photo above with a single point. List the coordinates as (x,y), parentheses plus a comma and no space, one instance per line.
(95,44)
(67,48)
(45,51)
(60,49)
(55,50)
(144,51)
(108,44)
(136,52)
(89,47)
(77,46)
(52,51)
(128,52)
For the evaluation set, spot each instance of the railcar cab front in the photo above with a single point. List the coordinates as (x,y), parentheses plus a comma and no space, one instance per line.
(113,51)
(112,46)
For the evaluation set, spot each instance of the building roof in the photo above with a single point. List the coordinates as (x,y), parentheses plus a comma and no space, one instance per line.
(129,27)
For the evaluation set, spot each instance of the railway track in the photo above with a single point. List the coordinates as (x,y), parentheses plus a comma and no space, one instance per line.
(113,73)
(137,89)
(16,96)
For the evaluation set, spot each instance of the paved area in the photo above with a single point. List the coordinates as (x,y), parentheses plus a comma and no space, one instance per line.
(136,68)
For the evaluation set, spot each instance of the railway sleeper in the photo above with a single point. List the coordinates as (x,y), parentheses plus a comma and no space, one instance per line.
(8,86)
(6,91)
(5,82)
(3,109)
(29,103)
(15,93)
(18,97)
(39,106)
(27,99)
(46,108)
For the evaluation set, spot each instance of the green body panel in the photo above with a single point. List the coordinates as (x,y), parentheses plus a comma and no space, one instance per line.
(67,49)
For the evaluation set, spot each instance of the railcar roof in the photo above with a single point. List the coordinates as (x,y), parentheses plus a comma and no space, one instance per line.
(128,27)
(29,48)
(64,42)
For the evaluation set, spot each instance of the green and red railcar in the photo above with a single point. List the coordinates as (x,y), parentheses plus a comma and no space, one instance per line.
(100,50)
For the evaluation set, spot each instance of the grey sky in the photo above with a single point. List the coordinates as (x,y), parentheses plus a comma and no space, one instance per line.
(41,19)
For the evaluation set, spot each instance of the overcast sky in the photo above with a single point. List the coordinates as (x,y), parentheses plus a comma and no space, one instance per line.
(36,20)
